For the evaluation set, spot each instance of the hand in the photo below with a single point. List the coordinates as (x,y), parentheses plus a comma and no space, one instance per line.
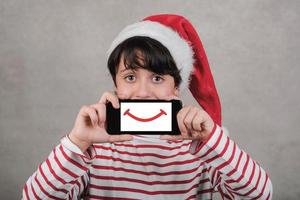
(90,123)
(193,123)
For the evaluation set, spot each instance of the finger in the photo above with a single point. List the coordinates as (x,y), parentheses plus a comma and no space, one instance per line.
(89,112)
(180,117)
(197,121)
(107,96)
(172,97)
(101,112)
(120,138)
(189,118)
(196,134)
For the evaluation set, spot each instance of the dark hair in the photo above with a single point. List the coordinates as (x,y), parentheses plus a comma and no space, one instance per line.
(146,53)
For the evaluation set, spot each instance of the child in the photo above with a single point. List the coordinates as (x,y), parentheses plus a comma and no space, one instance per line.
(156,58)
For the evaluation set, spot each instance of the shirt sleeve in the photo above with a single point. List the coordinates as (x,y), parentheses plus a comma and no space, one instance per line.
(234,173)
(63,175)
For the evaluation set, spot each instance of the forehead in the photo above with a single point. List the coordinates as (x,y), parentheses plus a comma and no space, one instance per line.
(123,69)
(121,66)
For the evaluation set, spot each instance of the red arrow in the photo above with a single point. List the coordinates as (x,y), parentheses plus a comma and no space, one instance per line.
(162,112)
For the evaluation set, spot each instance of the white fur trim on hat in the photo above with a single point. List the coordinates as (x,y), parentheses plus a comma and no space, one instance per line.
(179,48)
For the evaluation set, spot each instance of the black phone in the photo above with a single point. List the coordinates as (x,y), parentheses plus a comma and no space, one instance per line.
(141,116)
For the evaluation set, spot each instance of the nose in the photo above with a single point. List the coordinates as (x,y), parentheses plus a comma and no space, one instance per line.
(143,91)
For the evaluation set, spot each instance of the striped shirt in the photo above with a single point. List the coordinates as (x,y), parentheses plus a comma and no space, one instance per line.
(150,168)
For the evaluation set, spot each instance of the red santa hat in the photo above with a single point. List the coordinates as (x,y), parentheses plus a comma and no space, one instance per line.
(179,36)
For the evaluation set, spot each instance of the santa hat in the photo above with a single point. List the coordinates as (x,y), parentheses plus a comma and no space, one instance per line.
(178,35)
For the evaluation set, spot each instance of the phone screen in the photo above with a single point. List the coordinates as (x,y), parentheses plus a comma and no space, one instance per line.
(146,116)
(141,116)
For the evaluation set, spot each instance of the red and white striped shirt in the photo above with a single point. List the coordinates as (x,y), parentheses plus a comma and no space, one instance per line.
(150,168)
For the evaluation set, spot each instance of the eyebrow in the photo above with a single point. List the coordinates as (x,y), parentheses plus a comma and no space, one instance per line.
(123,70)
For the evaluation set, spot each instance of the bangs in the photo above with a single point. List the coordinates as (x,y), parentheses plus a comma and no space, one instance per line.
(140,53)
(144,52)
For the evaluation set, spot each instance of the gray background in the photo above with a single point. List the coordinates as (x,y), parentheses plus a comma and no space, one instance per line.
(53,61)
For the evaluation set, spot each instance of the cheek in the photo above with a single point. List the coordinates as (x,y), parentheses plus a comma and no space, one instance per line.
(123,92)
(165,91)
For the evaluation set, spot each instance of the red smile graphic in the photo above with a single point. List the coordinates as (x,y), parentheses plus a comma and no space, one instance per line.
(162,112)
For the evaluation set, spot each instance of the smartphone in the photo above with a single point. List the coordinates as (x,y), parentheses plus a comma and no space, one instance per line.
(139,116)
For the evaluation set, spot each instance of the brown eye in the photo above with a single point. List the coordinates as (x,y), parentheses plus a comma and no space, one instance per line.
(130,78)
(157,79)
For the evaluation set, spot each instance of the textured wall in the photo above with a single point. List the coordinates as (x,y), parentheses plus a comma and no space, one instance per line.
(52,59)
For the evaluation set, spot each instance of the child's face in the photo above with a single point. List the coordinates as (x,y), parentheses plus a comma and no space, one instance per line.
(143,84)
